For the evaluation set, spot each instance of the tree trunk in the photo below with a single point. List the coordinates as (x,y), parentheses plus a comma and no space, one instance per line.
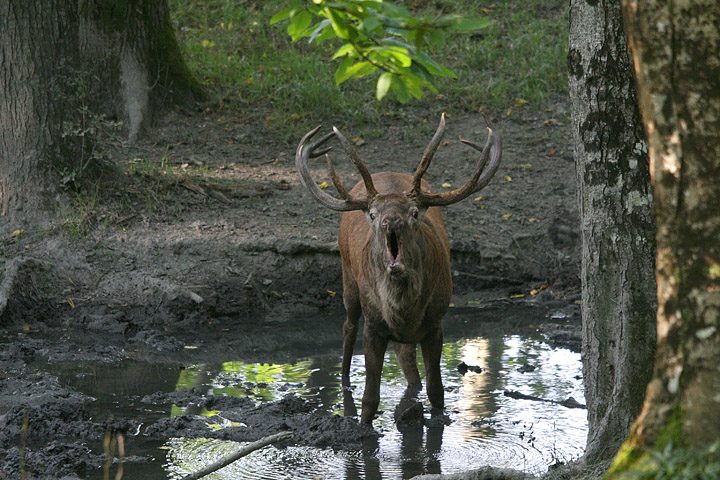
(30,119)
(62,64)
(618,288)
(675,50)
(152,72)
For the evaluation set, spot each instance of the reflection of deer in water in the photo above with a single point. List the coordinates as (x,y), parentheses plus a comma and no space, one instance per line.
(395,259)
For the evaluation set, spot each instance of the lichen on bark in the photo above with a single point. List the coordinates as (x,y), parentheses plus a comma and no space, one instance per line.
(617,230)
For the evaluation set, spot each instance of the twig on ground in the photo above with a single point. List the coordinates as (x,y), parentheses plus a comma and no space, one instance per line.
(569,402)
(247,449)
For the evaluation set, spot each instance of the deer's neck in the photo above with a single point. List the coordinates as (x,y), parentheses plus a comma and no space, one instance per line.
(399,296)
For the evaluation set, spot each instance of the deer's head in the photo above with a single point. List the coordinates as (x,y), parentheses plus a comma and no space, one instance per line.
(395,217)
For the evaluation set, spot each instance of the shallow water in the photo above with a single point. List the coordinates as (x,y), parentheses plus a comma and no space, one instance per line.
(486,427)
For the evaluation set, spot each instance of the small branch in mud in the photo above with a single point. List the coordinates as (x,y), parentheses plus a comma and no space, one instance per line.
(569,402)
(489,281)
(206,189)
(247,449)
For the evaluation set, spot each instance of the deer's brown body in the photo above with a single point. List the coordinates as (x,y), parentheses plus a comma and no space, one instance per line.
(406,307)
(395,263)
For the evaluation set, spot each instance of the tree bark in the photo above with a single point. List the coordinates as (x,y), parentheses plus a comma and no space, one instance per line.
(63,64)
(618,288)
(30,119)
(675,49)
(152,72)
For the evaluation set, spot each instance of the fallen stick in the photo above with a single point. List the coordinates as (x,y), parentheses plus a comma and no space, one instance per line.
(247,449)
(569,402)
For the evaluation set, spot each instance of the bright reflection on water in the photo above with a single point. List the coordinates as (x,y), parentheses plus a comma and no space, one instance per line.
(487,428)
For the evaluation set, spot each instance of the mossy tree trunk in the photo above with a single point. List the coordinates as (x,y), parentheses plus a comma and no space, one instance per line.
(618,288)
(675,49)
(62,64)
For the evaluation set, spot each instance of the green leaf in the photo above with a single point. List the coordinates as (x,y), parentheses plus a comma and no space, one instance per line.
(319,30)
(399,54)
(283,14)
(425,78)
(370,24)
(393,42)
(346,49)
(414,85)
(383,85)
(348,69)
(400,90)
(299,24)
(393,10)
(433,67)
(338,23)
(469,24)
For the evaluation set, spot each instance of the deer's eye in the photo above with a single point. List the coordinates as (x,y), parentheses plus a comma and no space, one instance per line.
(415,214)
(372,216)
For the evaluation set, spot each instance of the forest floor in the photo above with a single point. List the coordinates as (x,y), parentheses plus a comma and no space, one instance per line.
(205,236)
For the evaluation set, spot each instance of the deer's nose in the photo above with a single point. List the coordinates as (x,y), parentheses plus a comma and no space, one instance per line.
(392,223)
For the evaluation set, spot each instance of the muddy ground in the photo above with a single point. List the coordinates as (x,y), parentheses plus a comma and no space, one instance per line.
(228,253)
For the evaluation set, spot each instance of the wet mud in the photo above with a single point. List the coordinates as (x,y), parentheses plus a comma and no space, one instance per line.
(51,428)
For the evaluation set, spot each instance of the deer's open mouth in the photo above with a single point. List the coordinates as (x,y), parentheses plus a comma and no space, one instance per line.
(394,252)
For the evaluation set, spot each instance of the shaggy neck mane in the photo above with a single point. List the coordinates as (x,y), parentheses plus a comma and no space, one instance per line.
(398,294)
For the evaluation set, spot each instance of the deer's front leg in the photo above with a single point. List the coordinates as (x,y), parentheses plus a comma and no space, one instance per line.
(374,346)
(432,350)
(407,358)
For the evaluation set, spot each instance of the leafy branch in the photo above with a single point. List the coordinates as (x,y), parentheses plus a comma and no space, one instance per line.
(377,37)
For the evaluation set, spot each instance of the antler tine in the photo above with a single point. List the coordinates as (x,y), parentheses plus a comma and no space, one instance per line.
(481,175)
(336,180)
(321,140)
(495,156)
(428,155)
(302,155)
(364,172)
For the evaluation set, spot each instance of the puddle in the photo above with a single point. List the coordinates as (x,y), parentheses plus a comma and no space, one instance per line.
(486,428)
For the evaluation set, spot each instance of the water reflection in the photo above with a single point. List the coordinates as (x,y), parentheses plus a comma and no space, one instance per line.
(486,427)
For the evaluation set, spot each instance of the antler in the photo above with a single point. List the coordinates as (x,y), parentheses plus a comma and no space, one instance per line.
(364,172)
(348,202)
(428,155)
(479,179)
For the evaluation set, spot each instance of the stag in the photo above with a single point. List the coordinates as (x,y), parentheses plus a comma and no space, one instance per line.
(395,259)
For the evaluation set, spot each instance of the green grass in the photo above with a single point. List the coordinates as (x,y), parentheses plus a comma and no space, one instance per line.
(520,58)
(256,70)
